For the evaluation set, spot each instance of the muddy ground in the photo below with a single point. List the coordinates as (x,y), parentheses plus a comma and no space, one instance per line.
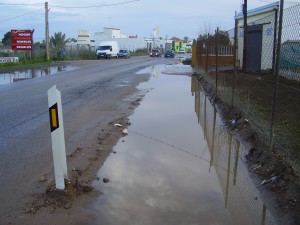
(52,206)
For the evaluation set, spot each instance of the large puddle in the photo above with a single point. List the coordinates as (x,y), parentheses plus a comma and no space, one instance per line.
(178,165)
(19,75)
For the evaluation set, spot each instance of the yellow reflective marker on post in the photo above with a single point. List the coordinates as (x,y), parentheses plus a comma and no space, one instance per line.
(53,113)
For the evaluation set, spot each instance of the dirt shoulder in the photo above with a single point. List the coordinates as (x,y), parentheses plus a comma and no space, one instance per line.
(52,206)
(276,179)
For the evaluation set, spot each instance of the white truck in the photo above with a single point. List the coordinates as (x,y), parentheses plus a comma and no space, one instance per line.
(107,50)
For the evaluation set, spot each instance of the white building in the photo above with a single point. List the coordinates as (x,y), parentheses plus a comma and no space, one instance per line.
(131,43)
(262,29)
(109,33)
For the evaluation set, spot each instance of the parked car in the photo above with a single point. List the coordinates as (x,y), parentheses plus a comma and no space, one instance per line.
(107,50)
(123,53)
(155,53)
(169,53)
(182,51)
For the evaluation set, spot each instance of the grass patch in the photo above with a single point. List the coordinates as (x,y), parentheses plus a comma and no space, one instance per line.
(24,64)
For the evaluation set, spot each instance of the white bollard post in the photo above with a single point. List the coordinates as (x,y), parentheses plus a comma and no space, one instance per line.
(57,137)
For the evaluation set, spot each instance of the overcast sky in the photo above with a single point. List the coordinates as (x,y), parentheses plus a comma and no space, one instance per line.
(178,18)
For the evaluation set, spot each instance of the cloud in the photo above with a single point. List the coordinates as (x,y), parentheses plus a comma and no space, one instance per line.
(175,18)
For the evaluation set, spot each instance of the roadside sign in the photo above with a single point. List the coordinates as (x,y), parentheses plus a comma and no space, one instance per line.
(21,40)
(57,137)
(83,37)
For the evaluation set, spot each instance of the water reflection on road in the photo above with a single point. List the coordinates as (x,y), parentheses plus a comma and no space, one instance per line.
(227,157)
(19,75)
(170,170)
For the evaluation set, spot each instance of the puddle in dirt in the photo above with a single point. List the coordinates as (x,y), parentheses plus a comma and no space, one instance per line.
(19,75)
(178,165)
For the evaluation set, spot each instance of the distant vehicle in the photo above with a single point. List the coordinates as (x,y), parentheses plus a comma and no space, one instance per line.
(155,53)
(169,54)
(123,53)
(107,50)
(182,51)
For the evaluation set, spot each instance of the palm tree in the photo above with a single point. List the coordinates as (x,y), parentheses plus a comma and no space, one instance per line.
(58,41)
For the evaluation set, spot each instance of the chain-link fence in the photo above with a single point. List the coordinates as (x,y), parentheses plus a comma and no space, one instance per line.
(265,85)
(36,53)
(290,47)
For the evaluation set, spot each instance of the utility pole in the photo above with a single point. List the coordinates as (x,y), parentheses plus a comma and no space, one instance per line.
(47,32)
(245,8)
(32,45)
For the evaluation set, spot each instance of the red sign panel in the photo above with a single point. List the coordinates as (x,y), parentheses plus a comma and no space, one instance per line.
(21,40)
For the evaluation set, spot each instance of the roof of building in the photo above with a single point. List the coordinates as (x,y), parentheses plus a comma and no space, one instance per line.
(176,39)
(259,10)
(111,28)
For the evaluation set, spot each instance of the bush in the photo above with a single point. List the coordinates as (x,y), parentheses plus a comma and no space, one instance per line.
(140,51)
(187,61)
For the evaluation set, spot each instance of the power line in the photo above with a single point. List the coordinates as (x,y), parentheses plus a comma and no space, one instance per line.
(94,6)
(68,7)
(20,15)
(182,150)
(36,4)
(72,7)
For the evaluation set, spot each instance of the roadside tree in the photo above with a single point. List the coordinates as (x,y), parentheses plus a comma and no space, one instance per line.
(58,42)
(6,40)
(223,38)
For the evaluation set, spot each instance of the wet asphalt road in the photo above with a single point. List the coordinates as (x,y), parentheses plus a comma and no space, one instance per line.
(92,95)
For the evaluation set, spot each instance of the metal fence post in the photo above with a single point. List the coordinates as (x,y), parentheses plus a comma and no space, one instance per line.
(274,42)
(216,53)
(276,77)
(206,61)
(245,35)
(234,56)
(199,53)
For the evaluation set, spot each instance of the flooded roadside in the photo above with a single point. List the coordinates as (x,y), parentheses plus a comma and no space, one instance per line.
(19,75)
(178,165)
(241,195)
